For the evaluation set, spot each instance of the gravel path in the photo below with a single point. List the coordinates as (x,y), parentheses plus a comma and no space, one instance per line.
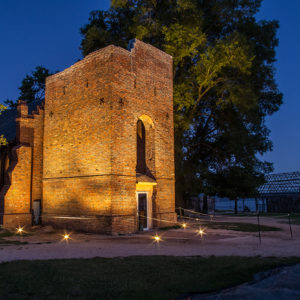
(278,284)
(45,244)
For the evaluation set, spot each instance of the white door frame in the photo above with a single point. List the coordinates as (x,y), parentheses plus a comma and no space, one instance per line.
(147,203)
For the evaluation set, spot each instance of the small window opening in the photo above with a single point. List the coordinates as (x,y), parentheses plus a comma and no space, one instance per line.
(141,148)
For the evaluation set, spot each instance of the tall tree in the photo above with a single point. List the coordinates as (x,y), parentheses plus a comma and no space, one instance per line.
(32,88)
(224,84)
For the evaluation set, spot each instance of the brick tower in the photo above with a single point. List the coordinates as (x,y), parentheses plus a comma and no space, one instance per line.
(108,142)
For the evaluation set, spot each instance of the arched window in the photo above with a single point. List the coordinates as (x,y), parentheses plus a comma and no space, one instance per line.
(145,146)
(141,148)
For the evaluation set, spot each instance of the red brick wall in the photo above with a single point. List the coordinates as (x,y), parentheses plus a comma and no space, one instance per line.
(30,131)
(77,140)
(81,151)
(144,80)
(24,184)
(16,195)
(91,112)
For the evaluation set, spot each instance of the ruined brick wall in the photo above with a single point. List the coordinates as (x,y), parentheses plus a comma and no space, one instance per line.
(30,131)
(15,194)
(91,113)
(77,141)
(23,177)
(79,154)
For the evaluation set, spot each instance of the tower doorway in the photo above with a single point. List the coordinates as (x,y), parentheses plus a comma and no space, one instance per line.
(142,210)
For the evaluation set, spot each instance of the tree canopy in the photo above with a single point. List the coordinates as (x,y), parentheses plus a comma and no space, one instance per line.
(32,88)
(224,84)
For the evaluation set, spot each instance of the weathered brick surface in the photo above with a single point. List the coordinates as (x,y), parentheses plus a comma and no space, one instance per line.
(101,224)
(77,196)
(15,220)
(25,173)
(30,131)
(16,197)
(84,142)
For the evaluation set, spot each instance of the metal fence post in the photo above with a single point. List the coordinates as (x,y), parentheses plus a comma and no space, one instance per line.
(289,216)
(258,227)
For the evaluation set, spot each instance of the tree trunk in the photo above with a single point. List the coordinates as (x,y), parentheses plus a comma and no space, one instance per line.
(236,206)
(205,205)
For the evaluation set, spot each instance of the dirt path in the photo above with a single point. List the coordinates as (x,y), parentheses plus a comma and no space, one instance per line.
(49,245)
(278,284)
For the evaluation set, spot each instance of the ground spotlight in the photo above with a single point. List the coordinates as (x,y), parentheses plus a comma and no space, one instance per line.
(157,238)
(20,230)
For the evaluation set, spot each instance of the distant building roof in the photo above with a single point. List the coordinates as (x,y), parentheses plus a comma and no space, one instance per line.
(281,183)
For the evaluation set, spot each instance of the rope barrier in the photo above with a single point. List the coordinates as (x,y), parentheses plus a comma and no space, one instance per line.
(194,212)
(155,219)
(254,214)
(196,221)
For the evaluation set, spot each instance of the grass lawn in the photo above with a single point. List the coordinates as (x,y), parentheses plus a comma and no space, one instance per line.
(148,277)
(263,214)
(237,226)
(254,214)
(4,234)
(295,218)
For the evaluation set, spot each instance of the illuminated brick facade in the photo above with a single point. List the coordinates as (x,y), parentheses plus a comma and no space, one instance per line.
(81,155)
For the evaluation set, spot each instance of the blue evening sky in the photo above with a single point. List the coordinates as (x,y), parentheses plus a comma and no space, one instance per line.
(36,32)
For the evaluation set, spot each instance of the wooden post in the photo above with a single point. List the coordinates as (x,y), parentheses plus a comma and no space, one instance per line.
(259,236)
(289,216)
(235,206)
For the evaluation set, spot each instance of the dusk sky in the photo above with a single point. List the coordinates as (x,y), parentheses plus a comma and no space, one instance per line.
(36,32)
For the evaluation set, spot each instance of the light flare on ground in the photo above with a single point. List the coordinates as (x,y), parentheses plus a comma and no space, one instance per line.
(201,232)
(157,238)
(20,230)
(66,236)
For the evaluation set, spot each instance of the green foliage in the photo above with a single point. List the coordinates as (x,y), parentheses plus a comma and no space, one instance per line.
(183,42)
(224,84)
(32,88)
(237,226)
(6,234)
(3,141)
(2,108)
